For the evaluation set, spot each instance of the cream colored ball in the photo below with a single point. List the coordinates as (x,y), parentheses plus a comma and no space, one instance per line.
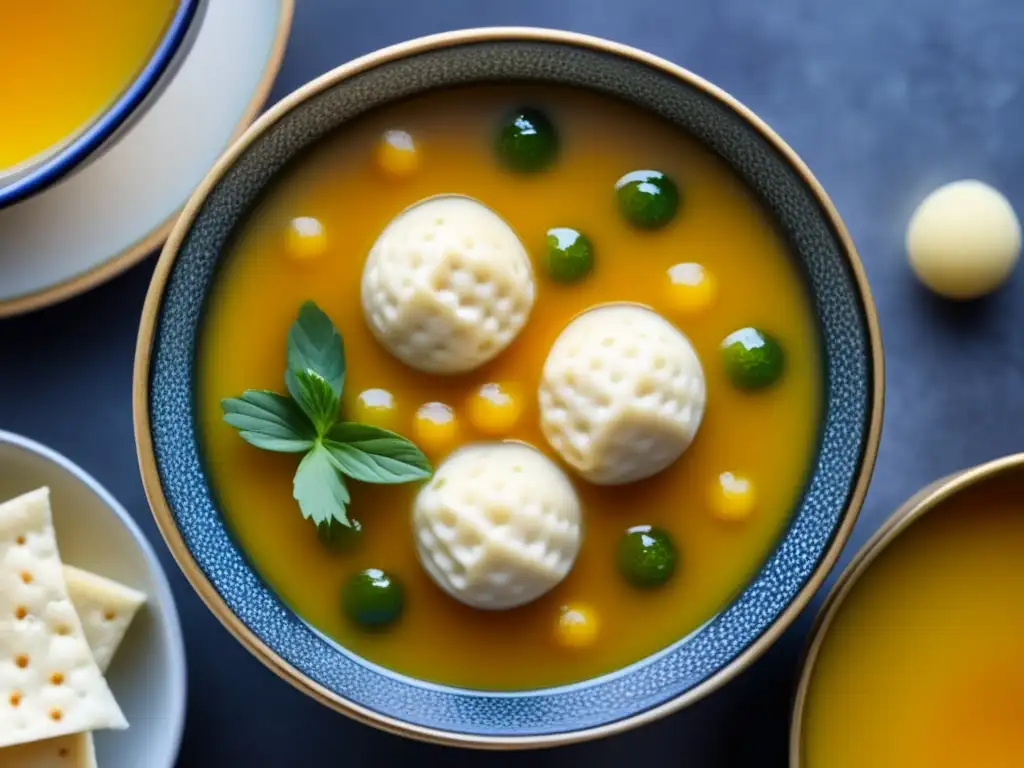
(622,394)
(447,285)
(964,240)
(498,525)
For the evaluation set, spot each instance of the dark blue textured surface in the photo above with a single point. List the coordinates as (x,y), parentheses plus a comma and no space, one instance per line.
(704,652)
(883,100)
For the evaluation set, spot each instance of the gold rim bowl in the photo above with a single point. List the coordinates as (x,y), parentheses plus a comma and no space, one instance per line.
(674,678)
(913,509)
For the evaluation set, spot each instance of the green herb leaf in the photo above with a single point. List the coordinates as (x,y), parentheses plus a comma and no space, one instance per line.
(306,423)
(375,455)
(317,400)
(269,421)
(320,488)
(314,344)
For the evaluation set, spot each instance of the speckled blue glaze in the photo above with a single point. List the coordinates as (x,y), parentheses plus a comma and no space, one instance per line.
(647,683)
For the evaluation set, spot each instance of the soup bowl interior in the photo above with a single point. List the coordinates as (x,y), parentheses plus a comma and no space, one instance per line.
(34,174)
(952,523)
(186,507)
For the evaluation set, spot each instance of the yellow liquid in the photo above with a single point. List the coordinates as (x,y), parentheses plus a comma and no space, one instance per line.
(924,664)
(63,62)
(769,437)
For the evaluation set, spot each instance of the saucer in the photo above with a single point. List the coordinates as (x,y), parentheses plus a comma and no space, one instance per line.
(108,216)
(94,532)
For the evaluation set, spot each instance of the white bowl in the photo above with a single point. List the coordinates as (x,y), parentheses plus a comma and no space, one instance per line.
(90,140)
(120,207)
(94,532)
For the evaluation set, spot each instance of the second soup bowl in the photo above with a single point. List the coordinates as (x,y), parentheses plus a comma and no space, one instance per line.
(232,231)
(63,115)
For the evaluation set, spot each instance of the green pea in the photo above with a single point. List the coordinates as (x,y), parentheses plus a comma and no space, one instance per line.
(570,256)
(372,598)
(647,556)
(647,199)
(339,538)
(753,359)
(527,140)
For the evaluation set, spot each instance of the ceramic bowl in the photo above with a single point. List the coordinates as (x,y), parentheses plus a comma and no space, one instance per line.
(108,225)
(94,532)
(186,509)
(39,172)
(913,509)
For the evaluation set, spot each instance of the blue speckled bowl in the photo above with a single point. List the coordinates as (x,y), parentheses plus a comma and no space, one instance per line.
(184,505)
(39,172)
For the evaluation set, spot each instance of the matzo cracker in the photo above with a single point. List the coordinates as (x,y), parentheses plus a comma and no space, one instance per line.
(50,685)
(105,608)
(76,750)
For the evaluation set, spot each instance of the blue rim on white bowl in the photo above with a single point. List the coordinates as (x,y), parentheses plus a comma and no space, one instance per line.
(148,675)
(185,507)
(55,165)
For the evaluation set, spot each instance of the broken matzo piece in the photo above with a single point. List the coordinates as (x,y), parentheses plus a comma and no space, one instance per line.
(105,608)
(76,750)
(50,685)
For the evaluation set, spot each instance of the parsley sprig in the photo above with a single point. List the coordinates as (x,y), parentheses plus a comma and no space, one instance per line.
(306,421)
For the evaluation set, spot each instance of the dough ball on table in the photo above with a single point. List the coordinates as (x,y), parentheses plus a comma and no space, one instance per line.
(621,395)
(447,285)
(498,525)
(964,240)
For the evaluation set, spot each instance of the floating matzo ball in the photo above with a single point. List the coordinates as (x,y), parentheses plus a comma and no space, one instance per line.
(621,394)
(498,525)
(447,285)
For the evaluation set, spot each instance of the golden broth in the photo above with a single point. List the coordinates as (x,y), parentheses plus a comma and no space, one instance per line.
(65,61)
(923,664)
(770,436)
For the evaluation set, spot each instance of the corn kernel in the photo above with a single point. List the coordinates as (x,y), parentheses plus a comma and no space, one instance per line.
(397,154)
(494,409)
(732,497)
(435,429)
(691,288)
(306,239)
(577,626)
(376,407)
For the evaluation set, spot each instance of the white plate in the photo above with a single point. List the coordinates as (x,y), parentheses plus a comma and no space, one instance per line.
(94,532)
(109,215)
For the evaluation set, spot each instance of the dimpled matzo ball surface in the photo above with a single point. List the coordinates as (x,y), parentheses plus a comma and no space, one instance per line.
(447,285)
(498,525)
(621,395)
